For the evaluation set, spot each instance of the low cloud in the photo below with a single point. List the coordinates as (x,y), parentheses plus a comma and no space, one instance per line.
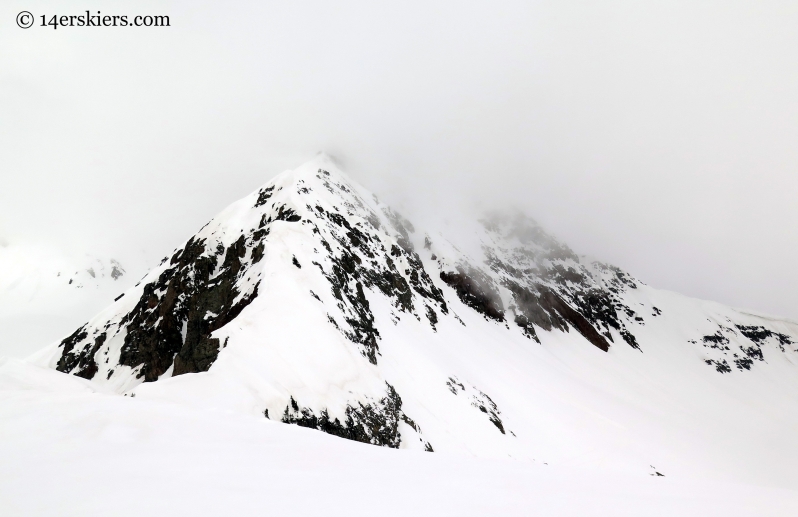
(657,136)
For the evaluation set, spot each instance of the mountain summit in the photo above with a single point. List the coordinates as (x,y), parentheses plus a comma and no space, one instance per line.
(311,302)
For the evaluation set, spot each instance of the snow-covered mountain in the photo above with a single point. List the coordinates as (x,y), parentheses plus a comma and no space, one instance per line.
(310,302)
(46,291)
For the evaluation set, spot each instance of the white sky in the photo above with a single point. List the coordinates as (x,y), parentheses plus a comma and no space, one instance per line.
(660,136)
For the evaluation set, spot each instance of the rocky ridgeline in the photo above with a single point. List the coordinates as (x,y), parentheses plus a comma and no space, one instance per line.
(547,286)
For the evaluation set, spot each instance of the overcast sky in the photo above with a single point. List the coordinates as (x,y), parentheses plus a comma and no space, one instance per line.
(659,136)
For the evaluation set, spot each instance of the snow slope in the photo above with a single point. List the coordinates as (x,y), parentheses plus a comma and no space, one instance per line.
(71,450)
(309,302)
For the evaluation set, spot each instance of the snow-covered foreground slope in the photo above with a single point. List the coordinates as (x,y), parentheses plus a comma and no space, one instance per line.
(68,450)
(312,303)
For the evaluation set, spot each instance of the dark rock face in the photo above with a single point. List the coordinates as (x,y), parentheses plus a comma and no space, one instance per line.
(476,290)
(742,356)
(185,301)
(83,364)
(551,289)
(533,308)
(487,406)
(721,366)
(743,363)
(173,319)
(376,423)
(69,360)
(717,340)
(759,335)
(263,196)
(576,319)
(361,262)
(479,400)
(545,309)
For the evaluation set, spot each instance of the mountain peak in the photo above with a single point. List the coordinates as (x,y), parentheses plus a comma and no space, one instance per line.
(310,302)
